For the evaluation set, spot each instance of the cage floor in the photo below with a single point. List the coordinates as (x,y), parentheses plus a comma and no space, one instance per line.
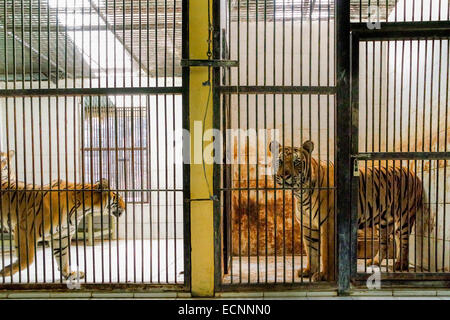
(270,270)
(118,261)
(285,270)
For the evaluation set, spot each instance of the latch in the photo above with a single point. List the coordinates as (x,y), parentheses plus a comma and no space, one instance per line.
(209,63)
(355,168)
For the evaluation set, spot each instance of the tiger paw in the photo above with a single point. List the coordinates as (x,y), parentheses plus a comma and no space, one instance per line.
(401,266)
(304,272)
(318,276)
(74,275)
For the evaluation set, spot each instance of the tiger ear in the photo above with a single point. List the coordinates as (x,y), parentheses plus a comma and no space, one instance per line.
(274,147)
(308,146)
(102,184)
(6,157)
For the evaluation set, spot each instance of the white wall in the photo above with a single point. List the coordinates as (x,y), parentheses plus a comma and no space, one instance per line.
(297,117)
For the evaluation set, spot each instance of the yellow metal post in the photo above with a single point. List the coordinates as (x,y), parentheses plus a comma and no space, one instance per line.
(202,229)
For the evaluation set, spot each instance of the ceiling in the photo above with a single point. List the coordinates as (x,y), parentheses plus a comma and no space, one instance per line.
(149,31)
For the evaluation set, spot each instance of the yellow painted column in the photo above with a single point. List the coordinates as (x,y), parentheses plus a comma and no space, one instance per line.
(202,228)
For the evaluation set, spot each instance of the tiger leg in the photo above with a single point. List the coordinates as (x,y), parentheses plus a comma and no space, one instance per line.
(61,255)
(25,251)
(402,255)
(381,254)
(311,242)
(326,252)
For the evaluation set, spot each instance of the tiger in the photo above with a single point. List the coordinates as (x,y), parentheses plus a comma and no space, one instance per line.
(5,159)
(389,198)
(52,210)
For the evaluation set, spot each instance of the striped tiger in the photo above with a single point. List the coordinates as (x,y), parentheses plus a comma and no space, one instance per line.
(389,199)
(53,210)
(5,159)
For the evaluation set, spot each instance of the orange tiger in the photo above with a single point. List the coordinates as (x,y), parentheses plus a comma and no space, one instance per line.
(34,214)
(389,197)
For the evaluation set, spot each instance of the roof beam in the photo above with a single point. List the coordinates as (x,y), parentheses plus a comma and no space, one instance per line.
(122,41)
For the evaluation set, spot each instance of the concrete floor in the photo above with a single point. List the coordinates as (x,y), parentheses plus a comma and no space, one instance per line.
(283,269)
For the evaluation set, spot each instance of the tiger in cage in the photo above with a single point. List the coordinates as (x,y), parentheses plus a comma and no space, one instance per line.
(34,214)
(392,197)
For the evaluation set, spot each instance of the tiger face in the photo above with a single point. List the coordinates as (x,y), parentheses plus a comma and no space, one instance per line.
(116,204)
(293,163)
(5,160)
(111,201)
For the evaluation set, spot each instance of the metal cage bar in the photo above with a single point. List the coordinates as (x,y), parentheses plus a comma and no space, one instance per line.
(89,93)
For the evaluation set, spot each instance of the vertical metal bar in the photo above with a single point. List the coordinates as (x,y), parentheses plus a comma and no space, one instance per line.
(132,164)
(175,207)
(343,150)
(366,146)
(257,144)
(274,69)
(148,137)
(415,147)
(108,147)
(430,149)
(266,143)
(5,48)
(292,145)
(238,48)
(283,111)
(216,124)
(24,130)
(247,147)
(446,141)
(330,186)
(186,146)
(301,140)
(157,143)
(438,161)
(100,147)
(350,257)
(380,98)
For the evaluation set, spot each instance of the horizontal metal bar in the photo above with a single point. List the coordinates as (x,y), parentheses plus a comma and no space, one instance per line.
(328,286)
(93,28)
(14,189)
(389,32)
(403,156)
(90,91)
(275,189)
(86,287)
(361,28)
(209,63)
(278,89)
(406,276)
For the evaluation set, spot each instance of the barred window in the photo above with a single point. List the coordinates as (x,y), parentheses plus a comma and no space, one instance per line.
(115,145)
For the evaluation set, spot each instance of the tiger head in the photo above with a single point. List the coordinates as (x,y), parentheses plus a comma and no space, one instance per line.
(111,201)
(5,160)
(292,168)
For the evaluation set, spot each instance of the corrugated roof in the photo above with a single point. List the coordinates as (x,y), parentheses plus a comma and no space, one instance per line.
(271,10)
(150,31)
(49,52)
